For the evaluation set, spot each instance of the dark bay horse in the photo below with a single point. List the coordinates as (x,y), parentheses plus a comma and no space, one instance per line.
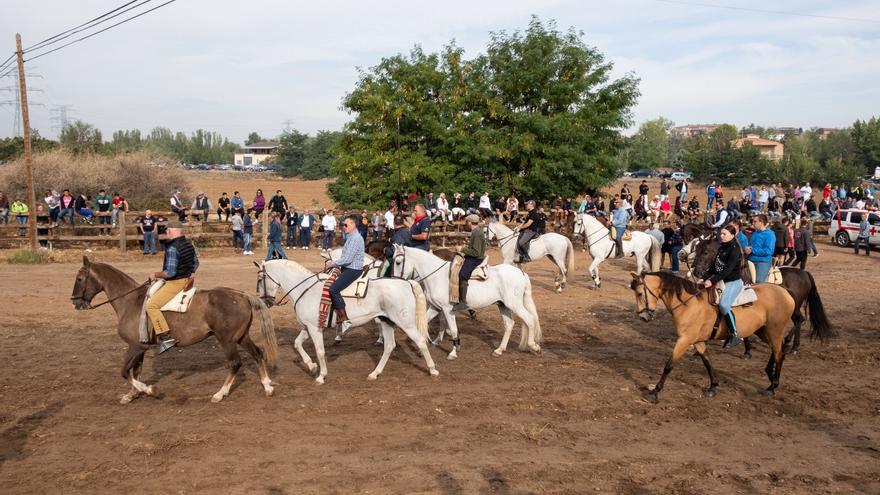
(799,283)
(225,313)
(694,319)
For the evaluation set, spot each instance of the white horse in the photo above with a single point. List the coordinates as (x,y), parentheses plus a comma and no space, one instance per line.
(643,246)
(507,286)
(388,301)
(555,246)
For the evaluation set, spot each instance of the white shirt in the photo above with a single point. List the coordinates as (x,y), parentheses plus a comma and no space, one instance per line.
(306,221)
(442,204)
(763,196)
(329,222)
(389,219)
(806,192)
(484,202)
(175,201)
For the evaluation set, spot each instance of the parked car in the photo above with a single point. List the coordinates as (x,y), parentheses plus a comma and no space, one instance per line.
(844,226)
(644,173)
(678,176)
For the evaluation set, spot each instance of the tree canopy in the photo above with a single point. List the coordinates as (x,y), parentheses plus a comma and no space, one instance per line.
(538,114)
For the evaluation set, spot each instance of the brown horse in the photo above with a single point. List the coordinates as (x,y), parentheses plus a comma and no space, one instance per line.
(226,313)
(694,319)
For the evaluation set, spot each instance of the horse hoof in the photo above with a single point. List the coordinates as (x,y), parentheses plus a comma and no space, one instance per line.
(793,352)
(435,342)
(319,380)
(535,349)
(709,392)
(127,398)
(372,376)
(452,356)
(313,368)
(434,372)
(497,352)
(747,355)
(270,391)
(559,290)
(216,398)
(150,391)
(651,396)
(337,339)
(769,392)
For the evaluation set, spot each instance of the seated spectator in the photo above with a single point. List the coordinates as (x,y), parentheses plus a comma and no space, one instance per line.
(119,204)
(53,204)
(237,203)
(20,210)
(259,203)
(665,208)
(201,206)
(4,209)
(443,209)
(223,207)
(83,209)
(68,205)
(177,206)
(458,210)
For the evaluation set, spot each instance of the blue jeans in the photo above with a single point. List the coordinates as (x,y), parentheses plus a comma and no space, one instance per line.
(762,270)
(675,249)
(150,242)
(247,241)
(66,212)
(328,239)
(275,247)
(4,216)
(710,202)
(22,220)
(344,279)
(291,237)
(305,236)
(53,214)
(859,241)
(731,290)
(237,239)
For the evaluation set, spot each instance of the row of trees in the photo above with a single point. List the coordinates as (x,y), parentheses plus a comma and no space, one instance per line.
(842,155)
(537,114)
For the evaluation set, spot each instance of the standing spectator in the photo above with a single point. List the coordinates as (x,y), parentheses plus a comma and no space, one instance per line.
(512,209)
(278,204)
(259,203)
(803,242)
(826,191)
(103,203)
(485,205)
(201,207)
(305,229)
(683,187)
(237,204)
(863,237)
(363,224)
(328,223)
(499,208)
(389,217)
(4,209)
(780,235)
(292,222)
(83,209)
(68,204)
(624,195)
(676,243)
(761,248)
(274,237)
(20,210)
(53,203)
(147,226)
(223,206)
(664,189)
(420,229)
(654,231)
(470,203)
(666,247)
(177,206)
(378,225)
(237,236)
(119,204)
(643,188)
(247,231)
(711,191)
(806,191)
(763,199)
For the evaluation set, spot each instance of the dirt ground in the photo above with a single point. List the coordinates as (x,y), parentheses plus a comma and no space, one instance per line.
(570,420)
(300,193)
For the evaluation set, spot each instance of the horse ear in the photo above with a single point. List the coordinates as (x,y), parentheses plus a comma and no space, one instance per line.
(86,260)
(635,275)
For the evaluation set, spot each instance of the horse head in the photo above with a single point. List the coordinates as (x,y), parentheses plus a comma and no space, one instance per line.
(85,287)
(704,252)
(267,287)
(646,299)
(400,266)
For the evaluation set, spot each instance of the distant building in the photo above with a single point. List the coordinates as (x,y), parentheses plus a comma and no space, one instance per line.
(770,149)
(694,130)
(257,153)
(824,132)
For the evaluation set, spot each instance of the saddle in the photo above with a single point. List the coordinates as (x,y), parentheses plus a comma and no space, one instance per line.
(357,289)
(627,234)
(746,297)
(481,272)
(179,303)
(774,277)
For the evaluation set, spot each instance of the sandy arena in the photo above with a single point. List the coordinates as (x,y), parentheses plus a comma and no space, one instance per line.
(570,420)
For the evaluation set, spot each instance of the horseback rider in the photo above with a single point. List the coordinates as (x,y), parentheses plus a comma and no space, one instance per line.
(351,265)
(529,229)
(420,229)
(619,218)
(474,254)
(726,267)
(178,270)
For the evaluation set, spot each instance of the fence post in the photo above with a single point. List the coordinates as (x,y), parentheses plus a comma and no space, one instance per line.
(264,219)
(120,221)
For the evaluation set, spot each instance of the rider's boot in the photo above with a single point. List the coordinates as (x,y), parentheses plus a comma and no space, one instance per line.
(344,323)
(461,305)
(618,243)
(165,342)
(734,339)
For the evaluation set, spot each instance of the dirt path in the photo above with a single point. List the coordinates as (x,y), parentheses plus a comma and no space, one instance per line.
(568,421)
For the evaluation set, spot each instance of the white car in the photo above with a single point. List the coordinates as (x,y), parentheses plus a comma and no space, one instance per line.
(678,176)
(844,226)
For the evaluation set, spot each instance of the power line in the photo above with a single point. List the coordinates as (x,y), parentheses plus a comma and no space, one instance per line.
(99,32)
(775,12)
(74,29)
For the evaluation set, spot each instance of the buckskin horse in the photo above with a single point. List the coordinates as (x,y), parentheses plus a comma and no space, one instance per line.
(694,319)
(225,313)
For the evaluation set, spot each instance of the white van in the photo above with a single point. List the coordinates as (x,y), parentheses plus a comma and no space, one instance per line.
(844,226)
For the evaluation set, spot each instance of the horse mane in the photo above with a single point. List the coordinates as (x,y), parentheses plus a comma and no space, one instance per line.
(672,282)
(293,265)
(444,254)
(112,271)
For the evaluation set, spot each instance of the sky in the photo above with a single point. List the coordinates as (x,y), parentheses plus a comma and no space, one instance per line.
(234,67)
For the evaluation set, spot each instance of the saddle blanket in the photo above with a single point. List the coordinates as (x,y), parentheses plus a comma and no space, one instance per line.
(627,234)
(481,272)
(746,296)
(358,288)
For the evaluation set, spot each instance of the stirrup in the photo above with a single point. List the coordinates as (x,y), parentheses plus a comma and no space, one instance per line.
(731,342)
(461,306)
(344,328)
(164,345)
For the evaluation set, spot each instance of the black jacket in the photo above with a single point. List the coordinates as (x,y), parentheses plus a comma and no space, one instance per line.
(726,266)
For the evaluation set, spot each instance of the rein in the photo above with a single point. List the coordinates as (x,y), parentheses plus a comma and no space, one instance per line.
(266,275)
(680,304)
(506,238)
(83,294)
(419,279)
(590,244)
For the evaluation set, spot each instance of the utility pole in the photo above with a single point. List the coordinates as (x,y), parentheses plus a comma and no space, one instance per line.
(28,171)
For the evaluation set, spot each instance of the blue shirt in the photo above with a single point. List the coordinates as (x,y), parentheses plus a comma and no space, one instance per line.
(742,239)
(172,258)
(237,203)
(422,226)
(352,252)
(619,218)
(762,243)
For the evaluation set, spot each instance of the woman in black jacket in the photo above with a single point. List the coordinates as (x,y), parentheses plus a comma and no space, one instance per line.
(726,267)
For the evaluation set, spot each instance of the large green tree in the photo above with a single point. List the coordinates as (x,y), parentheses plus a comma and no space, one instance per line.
(81,137)
(866,138)
(537,114)
(648,147)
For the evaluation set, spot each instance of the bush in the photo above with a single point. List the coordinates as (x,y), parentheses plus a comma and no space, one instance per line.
(28,257)
(146,181)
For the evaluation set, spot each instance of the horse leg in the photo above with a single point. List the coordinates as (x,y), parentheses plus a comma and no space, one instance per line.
(389,344)
(452,325)
(527,339)
(774,365)
(432,312)
(594,272)
(317,337)
(413,333)
(258,356)
(507,320)
(747,343)
(234,365)
(640,266)
(678,351)
(700,347)
(798,318)
(131,367)
(298,343)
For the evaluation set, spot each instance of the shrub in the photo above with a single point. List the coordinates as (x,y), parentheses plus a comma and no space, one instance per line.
(28,257)
(145,180)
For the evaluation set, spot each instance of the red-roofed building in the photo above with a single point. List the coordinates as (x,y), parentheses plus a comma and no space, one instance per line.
(770,149)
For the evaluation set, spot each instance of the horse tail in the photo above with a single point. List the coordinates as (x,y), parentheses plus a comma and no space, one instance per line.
(654,256)
(529,304)
(421,308)
(569,256)
(267,328)
(818,319)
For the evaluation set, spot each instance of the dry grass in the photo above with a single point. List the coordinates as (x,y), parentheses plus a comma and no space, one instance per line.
(145,180)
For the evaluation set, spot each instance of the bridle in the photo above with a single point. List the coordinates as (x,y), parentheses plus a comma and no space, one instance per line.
(82,294)
(267,299)
(505,239)
(402,256)
(580,221)
(647,290)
